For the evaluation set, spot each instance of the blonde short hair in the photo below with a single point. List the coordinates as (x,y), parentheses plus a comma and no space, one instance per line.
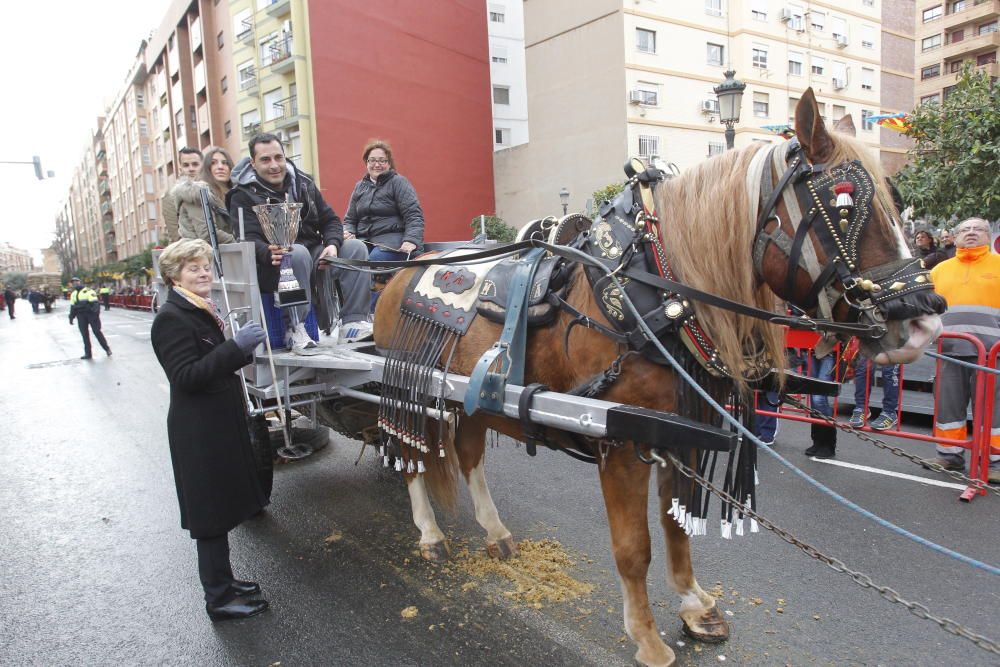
(176,255)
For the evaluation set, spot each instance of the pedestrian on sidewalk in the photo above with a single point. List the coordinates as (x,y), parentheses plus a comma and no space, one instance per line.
(105,293)
(864,380)
(215,470)
(85,308)
(971,284)
(10,296)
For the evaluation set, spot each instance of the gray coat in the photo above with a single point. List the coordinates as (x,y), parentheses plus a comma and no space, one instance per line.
(191,216)
(387,212)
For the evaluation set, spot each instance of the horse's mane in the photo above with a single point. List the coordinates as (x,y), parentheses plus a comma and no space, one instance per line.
(708,225)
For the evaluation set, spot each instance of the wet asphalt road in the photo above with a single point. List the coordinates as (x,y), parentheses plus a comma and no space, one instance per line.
(95,568)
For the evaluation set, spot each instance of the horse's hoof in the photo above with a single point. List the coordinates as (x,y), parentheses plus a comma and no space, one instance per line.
(706,626)
(436,552)
(665,661)
(502,549)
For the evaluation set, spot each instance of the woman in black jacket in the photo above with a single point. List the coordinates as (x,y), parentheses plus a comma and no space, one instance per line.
(215,471)
(926,249)
(384,211)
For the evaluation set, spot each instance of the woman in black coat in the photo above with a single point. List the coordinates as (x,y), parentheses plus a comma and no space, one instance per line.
(214,466)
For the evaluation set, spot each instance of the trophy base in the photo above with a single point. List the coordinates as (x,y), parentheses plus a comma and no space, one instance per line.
(291,297)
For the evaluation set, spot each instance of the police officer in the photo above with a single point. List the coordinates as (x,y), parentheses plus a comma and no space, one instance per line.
(105,293)
(85,308)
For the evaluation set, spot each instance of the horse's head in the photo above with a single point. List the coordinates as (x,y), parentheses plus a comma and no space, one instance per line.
(828,240)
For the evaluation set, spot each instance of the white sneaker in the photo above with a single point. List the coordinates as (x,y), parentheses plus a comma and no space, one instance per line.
(299,342)
(353,332)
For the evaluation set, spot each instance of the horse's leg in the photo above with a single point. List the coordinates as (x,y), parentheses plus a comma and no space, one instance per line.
(699,613)
(433,545)
(625,484)
(470,444)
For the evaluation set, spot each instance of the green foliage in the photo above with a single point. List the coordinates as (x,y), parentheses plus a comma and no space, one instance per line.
(607,193)
(496,229)
(954,171)
(14,280)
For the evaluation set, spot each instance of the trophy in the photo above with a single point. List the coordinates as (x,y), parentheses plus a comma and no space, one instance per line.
(280,223)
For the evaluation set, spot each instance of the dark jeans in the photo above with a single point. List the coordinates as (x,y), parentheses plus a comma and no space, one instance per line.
(376,254)
(863,385)
(215,570)
(765,426)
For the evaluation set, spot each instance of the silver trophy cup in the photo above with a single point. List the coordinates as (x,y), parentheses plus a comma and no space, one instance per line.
(280,223)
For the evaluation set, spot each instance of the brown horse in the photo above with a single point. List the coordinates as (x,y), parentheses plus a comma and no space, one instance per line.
(708,224)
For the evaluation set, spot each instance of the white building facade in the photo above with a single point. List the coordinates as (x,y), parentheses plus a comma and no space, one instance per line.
(505,21)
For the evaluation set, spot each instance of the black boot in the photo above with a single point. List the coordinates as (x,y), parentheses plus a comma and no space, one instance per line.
(824,441)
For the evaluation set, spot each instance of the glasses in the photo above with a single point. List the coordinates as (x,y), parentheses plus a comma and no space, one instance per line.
(378,160)
(975,230)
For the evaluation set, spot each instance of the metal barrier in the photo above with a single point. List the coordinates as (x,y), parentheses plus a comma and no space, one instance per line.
(978,440)
(132,302)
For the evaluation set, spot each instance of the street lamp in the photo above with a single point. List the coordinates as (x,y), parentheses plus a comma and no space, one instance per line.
(564,198)
(730,94)
(36,162)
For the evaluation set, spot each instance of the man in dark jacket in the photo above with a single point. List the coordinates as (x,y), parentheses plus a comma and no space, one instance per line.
(268,178)
(10,296)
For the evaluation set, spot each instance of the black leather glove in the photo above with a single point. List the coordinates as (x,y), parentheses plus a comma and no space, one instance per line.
(249,336)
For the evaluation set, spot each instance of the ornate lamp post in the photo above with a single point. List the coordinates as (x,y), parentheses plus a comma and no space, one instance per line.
(564,198)
(730,95)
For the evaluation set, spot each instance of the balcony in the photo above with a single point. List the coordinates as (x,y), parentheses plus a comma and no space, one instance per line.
(248,80)
(250,130)
(106,208)
(246,33)
(972,46)
(280,54)
(974,12)
(279,8)
(286,112)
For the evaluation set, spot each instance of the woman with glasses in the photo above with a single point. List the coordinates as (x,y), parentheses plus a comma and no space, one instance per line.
(214,178)
(384,211)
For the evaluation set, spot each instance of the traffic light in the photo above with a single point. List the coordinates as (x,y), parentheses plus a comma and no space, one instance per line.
(37,161)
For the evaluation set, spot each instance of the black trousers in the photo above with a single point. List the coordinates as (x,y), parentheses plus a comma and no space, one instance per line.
(106,300)
(215,570)
(86,322)
(10,308)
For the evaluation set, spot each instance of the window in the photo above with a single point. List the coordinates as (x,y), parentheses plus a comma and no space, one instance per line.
(867,78)
(818,66)
(987,28)
(760,56)
(140,99)
(818,20)
(649,145)
(145,154)
(758,12)
(958,6)
(148,181)
(224,83)
(221,38)
(648,93)
(250,122)
(947,91)
(795,64)
(501,95)
(242,24)
(497,13)
(271,111)
(716,148)
(228,127)
(796,22)
(716,53)
(501,136)
(932,13)
(761,105)
(986,58)
(247,75)
(930,71)
(868,3)
(839,111)
(931,99)
(867,37)
(645,40)
(838,28)
(713,7)
(930,43)
(866,123)
(956,36)
(838,71)
(498,55)
(955,66)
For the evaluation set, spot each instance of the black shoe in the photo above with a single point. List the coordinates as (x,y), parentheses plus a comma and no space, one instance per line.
(245,588)
(87,356)
(821,451)
(108,351)
(235,610)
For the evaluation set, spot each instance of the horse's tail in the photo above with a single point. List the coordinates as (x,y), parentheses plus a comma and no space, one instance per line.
(442,472)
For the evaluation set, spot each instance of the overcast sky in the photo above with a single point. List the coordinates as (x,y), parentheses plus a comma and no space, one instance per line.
(62,61)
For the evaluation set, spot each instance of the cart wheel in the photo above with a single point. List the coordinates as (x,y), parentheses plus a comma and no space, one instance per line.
(261,442)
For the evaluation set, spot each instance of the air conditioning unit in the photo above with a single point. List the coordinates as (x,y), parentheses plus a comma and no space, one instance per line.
(839,84)
(635,97)
(785,15)
(841,41)
(710,106)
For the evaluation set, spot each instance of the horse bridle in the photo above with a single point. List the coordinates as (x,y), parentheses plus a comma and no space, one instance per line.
(836,203)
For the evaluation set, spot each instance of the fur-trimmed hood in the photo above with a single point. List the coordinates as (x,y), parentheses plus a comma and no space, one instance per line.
(187,191)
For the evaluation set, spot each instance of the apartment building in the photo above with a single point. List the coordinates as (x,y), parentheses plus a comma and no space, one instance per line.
(898,75)
(14,259)
(273,75)
(507,75)
(94,246)
(949,35)
(613,78)
(65,241)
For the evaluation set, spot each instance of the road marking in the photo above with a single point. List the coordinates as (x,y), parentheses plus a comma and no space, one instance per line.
(900,475)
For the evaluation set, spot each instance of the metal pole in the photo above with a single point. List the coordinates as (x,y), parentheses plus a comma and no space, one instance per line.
(730,137)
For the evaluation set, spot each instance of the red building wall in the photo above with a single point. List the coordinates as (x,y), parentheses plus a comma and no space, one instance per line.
(417,75)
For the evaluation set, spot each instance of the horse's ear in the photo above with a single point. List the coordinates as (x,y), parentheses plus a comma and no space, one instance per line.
(846,125)
(810,130)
